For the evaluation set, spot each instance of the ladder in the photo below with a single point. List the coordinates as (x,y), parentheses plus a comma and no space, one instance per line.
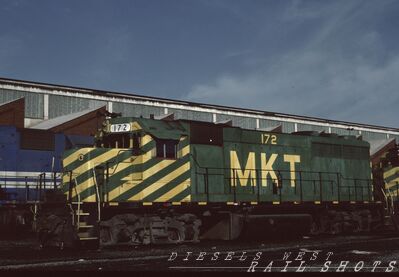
(390,216)
(84,221)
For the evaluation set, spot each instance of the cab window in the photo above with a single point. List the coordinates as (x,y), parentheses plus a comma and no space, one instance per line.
(116,141)
(166,148)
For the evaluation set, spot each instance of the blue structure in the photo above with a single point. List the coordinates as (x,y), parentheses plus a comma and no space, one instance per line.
(30,161)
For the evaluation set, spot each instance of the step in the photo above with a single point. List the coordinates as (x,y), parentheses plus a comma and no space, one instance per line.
(81,213)
(89,238)
(82,226)
(84,235)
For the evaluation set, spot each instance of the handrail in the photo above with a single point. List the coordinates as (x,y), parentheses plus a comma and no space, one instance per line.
(285,170)
(391,199)
(78,195)
(355,188)
(287,179)
(386,199)
(98,195)
(117,164)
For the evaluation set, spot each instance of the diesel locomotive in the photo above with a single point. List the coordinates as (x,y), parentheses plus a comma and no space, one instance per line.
(170,181)
(29,170)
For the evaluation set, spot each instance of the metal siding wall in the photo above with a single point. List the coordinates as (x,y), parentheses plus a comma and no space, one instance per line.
(238,121)
(62,105)
(288,127)
(33,101)
(373,136)
(344,132)
(134,110)
(191,115)
(264,123)
(396,137)
(309,127)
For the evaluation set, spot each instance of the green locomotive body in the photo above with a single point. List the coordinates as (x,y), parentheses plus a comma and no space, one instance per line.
(184,180)
(184,161)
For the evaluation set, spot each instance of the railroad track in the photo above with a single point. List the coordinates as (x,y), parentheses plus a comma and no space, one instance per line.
(145,258)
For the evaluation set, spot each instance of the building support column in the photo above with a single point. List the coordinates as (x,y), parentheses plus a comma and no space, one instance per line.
(45,106)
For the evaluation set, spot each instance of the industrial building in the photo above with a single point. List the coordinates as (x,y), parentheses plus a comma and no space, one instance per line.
(47,105)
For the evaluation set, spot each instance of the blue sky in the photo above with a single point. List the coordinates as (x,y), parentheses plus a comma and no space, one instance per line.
(331,59)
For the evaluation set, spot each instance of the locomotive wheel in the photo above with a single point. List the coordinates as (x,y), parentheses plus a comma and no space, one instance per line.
(192,227)
(139,235)
(105,236)
(174,236)
(176,230)
(314,229)
(336,228)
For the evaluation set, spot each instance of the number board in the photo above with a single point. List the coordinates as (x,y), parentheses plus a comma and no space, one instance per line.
(268,139)
(119,128)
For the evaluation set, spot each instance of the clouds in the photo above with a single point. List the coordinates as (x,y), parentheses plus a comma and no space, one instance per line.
(334,59)
(341,71)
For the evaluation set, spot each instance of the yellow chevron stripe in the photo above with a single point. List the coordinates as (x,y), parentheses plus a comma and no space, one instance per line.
(130,178)
(173,192)
(146,139)
(391,172)
(186,199)
(158,167)
(89,165)
(65,178)
(135,126)
(185,150)
(111,153)
(83,186)
(392,183)
(90,182)
(150,171)
(74,156)
(97,160)
(126,163)
(91,198)
(164,180)
(130,182)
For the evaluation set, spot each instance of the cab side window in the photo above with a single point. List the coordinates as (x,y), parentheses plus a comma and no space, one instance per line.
(136,144)
(167,148)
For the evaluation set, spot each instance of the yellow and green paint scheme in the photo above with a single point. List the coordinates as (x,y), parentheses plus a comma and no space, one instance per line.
(217,164)
(132,177)
(391,179)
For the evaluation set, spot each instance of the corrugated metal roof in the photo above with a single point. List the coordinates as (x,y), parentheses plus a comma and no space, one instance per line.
(377,145)
(8,102)
(54,122)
